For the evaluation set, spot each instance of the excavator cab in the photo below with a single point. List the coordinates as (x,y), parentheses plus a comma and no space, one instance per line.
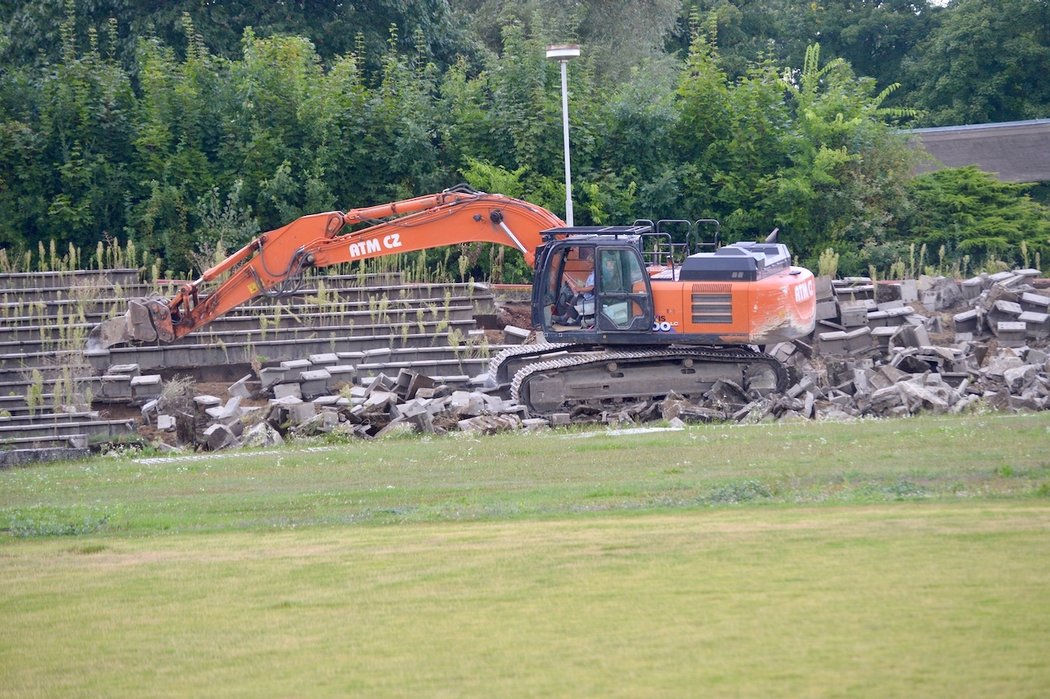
(591,286)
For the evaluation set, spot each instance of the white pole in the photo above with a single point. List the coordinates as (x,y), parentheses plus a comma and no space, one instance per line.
(565,138)
(563,53)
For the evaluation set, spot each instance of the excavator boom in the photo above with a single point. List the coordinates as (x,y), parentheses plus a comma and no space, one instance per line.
(279,256)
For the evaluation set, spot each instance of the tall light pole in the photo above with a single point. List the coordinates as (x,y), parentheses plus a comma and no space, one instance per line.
(563,53)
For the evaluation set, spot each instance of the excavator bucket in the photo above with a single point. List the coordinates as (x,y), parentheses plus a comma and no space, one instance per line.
(146,320)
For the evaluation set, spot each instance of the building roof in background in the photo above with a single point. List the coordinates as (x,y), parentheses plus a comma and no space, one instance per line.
(1016,151)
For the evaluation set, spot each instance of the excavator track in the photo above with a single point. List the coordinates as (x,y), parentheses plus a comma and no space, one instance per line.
(504,365)
(611,378)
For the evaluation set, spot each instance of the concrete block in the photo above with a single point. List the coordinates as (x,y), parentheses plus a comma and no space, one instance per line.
(378,354)
(125,369)
(240,387)
(886,376)
(910,336)
(967,321)
(535,423)
(467,403)
(909,290)
(314,383)
(324,360)
(886,399)
(833,342)
(262,435)
(166,423)
(146,387)
(999,277)
(148,408)
(379,401)
(921,397)
(782,351)
(1037,325)
(1038,356)
(1037,303)
(201,404)
(972,288)
(284,390)
(268,376)
(489,424)
(881,336)
(824,288)
(299,413)
(855,291)
(230,412)
(340,375)
(218,436)
(890,317)
(116,387)
(853,314)
(1017,379)
(827,310)
(395,428)
(859,340)
(1005,310)
(418,383)
(294,368)
(1010,333)
(513,335)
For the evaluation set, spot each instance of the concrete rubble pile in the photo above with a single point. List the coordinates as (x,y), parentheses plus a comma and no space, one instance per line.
(933,345)
(304,403)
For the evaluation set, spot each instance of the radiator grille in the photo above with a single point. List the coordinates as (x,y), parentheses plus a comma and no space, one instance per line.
(712,307)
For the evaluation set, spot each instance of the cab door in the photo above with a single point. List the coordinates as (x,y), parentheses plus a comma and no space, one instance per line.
(623,296)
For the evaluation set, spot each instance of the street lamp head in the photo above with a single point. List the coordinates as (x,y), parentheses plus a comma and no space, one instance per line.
(563,52)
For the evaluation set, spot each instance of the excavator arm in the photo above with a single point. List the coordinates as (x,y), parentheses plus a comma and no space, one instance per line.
(279,256)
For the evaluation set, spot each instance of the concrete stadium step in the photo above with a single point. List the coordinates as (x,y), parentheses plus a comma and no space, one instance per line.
(39,417)
(45,280)
(10,458)
(16,386)
(90,428)
(189,356)
(15,405)
(33,341)
(100,289)
(93,311)
(17,367)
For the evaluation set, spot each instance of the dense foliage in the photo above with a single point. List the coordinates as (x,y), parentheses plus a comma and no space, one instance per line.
(187,131)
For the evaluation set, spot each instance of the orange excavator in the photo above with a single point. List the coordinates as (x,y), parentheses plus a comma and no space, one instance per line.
(626,312)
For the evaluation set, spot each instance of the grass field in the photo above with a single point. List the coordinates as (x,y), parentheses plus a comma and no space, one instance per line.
(887,558)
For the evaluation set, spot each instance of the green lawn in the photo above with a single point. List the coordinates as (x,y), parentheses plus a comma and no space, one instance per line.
(889,558)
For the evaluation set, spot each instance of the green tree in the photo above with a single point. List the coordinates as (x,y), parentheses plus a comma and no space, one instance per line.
(620,35)
(970,212)
(986,62)
(29,29)
(86,129)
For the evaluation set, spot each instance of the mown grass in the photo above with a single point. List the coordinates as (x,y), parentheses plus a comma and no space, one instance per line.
(547,474)
(896,558)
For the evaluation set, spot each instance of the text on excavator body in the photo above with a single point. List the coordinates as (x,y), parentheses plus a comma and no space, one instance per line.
(375,245)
